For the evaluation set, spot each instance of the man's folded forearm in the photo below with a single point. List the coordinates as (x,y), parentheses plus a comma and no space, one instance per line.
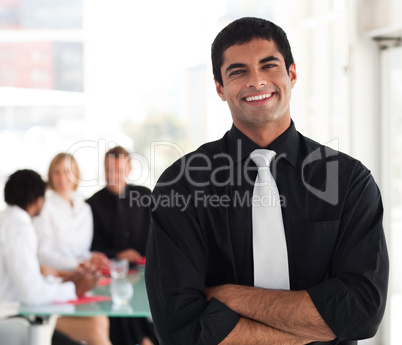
(250,332)
(290,311)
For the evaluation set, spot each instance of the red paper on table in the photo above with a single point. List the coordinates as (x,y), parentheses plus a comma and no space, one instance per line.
(87,299)
(106,272)
(141,261)
(104,281)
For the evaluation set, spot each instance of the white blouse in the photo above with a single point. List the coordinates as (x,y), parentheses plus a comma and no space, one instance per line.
(64,232)
(21,279)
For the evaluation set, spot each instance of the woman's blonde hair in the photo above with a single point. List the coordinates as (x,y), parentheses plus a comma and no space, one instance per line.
(69,159)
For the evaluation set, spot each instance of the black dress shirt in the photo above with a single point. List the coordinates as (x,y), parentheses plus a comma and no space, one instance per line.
(332,214)
(120,222)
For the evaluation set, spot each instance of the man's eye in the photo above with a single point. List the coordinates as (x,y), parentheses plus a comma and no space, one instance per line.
(270,65)
(236,72)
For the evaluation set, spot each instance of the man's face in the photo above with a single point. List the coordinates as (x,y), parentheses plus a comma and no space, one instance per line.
(256,84)
(117,170)
(37,206)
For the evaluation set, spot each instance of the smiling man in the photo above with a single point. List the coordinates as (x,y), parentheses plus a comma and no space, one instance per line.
(257,87)
(287,244)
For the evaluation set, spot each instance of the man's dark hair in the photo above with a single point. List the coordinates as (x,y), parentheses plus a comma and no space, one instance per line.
(116,152)
(23,188)
(244,30)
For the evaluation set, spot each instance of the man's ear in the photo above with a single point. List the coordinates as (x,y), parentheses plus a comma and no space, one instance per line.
(128,168)
(292,74)
(34,208)
(219,90)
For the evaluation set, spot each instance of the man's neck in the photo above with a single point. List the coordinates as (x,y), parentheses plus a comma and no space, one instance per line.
(32,210)
(264,135)
(115,191)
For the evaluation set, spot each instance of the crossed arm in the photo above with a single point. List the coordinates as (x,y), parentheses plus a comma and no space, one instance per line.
(283,317)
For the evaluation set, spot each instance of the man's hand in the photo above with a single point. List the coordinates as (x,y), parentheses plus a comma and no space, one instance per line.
(85,278)
(49,271)
(131,255)
(146,341)
(99,260)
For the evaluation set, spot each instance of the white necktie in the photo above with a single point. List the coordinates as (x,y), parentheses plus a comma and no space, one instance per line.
(271,268)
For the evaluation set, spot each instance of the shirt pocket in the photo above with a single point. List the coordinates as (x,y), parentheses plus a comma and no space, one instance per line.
(312,247)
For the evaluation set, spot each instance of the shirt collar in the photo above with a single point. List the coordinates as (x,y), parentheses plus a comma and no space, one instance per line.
(20,213)
(56,200)
(121,195)
(239,146)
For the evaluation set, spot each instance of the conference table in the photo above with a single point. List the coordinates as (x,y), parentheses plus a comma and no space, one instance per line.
(96,302)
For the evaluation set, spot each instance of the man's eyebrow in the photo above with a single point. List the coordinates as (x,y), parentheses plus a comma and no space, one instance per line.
(233,66)
(269,58)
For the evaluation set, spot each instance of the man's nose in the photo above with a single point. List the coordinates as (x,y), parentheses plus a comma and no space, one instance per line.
(256,79)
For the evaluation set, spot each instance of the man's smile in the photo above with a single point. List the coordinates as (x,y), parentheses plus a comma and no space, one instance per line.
(258,97)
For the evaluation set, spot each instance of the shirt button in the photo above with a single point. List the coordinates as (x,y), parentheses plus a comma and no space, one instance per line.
(126,234)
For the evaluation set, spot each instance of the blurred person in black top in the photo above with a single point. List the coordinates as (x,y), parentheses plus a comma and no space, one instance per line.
(200,269)
(121,225)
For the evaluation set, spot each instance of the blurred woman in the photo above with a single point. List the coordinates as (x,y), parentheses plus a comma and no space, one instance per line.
(65,225)
(65,230)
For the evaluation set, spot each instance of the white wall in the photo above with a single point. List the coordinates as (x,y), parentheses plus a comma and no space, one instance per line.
(368,19)
(383,14)
(364,88)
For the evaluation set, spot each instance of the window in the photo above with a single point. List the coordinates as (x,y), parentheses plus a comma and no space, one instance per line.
(391,153)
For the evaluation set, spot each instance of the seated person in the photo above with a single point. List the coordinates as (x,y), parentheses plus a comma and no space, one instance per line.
(121,225)
(65,226)
(19,266)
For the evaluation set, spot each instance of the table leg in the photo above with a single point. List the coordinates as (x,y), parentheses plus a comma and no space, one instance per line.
(41,331)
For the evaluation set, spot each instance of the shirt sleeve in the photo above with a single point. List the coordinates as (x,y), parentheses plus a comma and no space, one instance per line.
(101,241)
(176,272)
(24,271)
(48,246)
(83,232)
(352,300)
(142,222)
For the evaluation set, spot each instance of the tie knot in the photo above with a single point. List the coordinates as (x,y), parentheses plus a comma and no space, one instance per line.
(262,157)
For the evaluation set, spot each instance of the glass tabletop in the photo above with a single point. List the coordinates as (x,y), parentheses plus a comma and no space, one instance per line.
(138,306)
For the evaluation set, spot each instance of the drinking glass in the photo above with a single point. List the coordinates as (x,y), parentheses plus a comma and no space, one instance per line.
(118,268)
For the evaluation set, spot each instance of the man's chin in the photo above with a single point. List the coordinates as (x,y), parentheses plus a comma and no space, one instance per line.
(115,189)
